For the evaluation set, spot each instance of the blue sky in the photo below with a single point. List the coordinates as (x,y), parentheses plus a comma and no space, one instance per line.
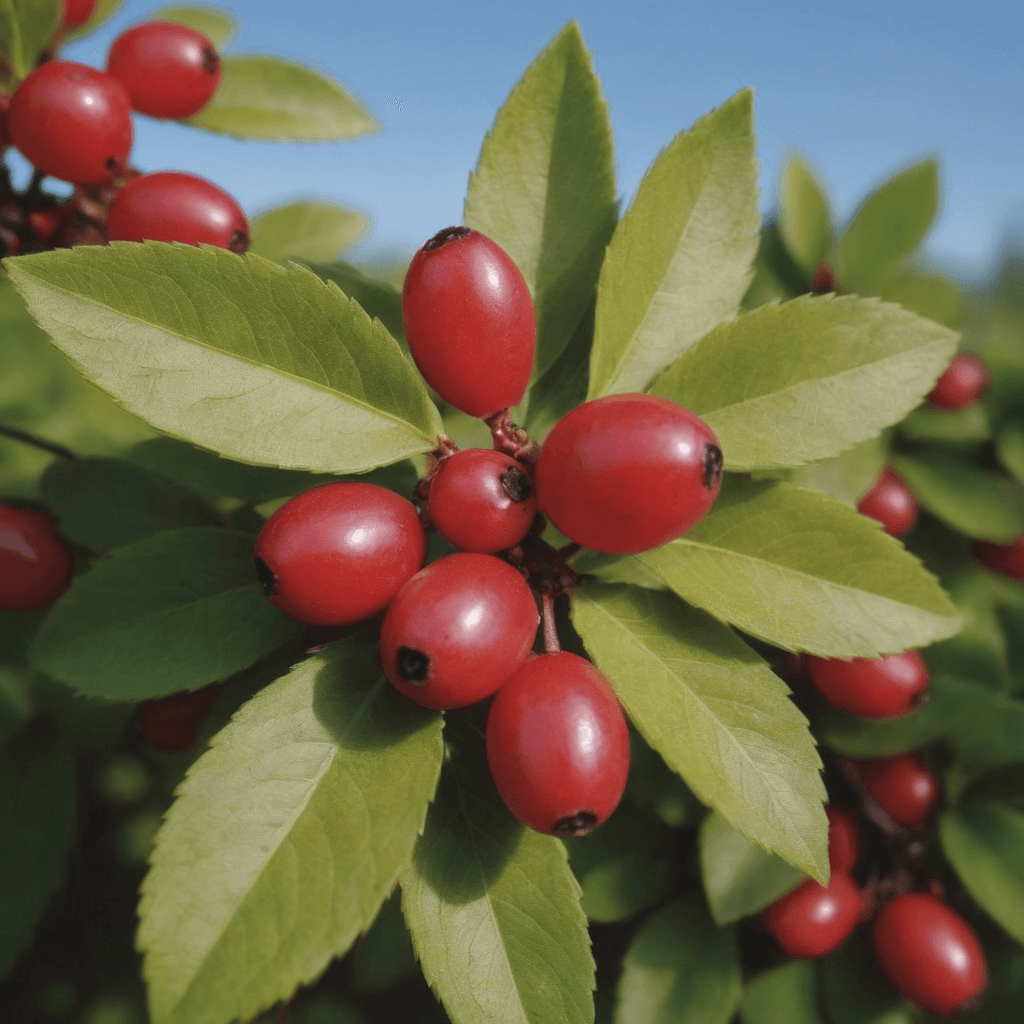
(860,90)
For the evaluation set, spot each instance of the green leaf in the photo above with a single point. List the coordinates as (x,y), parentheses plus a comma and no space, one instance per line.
(27,27)
(378,298)
(89,725)
(847,477)
(262,363)
(215,23)
(804,218)
(274,99)
(715,712)
(15,703)
(173,612)
(794,383)
(384,955)
(854,990)
(805,573)
(740,878)
(680,259)
(493,907)
(285,838)
(1010,449)
(929,423)
(991,735)
(544,187)
(680,969)
(776,275)
(783,995)
(888,227)
(306,230)
(931,297)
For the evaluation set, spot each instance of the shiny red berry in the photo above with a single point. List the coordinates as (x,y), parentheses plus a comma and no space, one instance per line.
(73,122)
(558,745)
(844,839)
(892,503)
(872,687)
(965,379)
(903,787)
(628,473)
(168,70)
(36,563)
(339,553)
(469,321)
(77,13)
(170,206)
(1006,559)
(813,920)
(171,723)
(930,953)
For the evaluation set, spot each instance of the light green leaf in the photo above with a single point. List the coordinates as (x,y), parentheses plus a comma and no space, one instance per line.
(1010,449)
(270,98)
(805,573)
(173,612)
(680,259)
(783,995)
(931,297)
(794,383)
(379,298)
(847,477)
(27,27)
(285,838)
(804,218)
(215,23)
(929,423)
(306,230)
(715,712)
(261,363)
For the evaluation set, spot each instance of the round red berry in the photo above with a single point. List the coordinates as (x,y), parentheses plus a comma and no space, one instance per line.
(844,839)
(930,953)
(72,122)
(813,920)
(628,473)
(965,379)
(558,745)
(170,206)
(77,12)
(469,321)
(171,723)
(903,787)
(457,630)
(824,280)
(339,553)
(1006,559)
(892,503)
(168,70)
(36,563)
(872,687)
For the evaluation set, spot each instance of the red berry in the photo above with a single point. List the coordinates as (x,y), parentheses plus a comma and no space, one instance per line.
(339,553)
(171,206)
(930,953)
(903,787)
(558,745)
(891,502)
(482,501)
(965,379)
(457,630)
(872,687)
(844,839)
(628,473)
(77,12)
(36,563)
(171,723)
(469,321)
(813,920)
(1007,559)
(168,70)
(72,122)
(824,280)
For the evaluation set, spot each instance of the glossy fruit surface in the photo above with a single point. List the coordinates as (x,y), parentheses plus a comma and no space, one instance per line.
(813,920)
(964,380)
(339,553)
(929,953)
(168,70)
(628,473)
(171,723)
(73,122)
(903,787)
(558,745)
(1007,559)
(844,839)
(170,206)
(892,503)
(36,563)
(457,630)
(872,687)
(77,12)
(482,501)
(469,321)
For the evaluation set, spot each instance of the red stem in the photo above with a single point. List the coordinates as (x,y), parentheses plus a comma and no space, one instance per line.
(551,644)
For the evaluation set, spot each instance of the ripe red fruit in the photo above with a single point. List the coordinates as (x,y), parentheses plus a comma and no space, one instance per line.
(168,70)
(73,122)
(872,687)
(170,206)
(339,553)
(813,920)
(171,723)
(1007,559)
(36,563)
(457,630)
(965,379)
(824,280)
(469,321)
(844,839)
(891,502)
(77,12)
(930,953)
(558,745)
(482,501)
(628,473)
(903,787)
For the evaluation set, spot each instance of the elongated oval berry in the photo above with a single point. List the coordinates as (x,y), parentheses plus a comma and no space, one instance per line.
(930,953)
(963,381)
(628,473)
(814,920)
(171,723)
(457,630)
(469,321)
(891,502)
(558,745)
(872,687)
(1006,559)
(903,787)
(339,553)
(844,839)
(170,206)
(76,13)
(36,563)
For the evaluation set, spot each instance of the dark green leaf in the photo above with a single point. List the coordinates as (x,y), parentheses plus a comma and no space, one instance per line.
(776,275)
(306,230)
(1010,449)
(88,724)
(783,995)
(378,298)
(990,735)
(804,218)
(929,423)
(384,955)
(1005,995)
(854,990)
(658,789)
(215,23)
(15,703)
(27,27)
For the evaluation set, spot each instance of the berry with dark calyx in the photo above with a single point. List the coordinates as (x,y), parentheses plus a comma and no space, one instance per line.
(872,687)
(77,13)
(469,321)
(891,502)
(1005,559)
(36,563)
(171,723)
(72,122)
(844,839)
(457,630)
(628,473)
(339,553)
(930,954)
(813,919)
(558,745)
(168,70)
(824,280)
(903,787)
(170,206)
(963,381)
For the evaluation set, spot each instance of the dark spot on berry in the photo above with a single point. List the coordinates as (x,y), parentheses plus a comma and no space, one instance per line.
(919,699)
(712,465)
(211,62)
(445,236)
(112,165)
(239,243)
(413,665)
(267,577)
(577,824)
(516,484)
